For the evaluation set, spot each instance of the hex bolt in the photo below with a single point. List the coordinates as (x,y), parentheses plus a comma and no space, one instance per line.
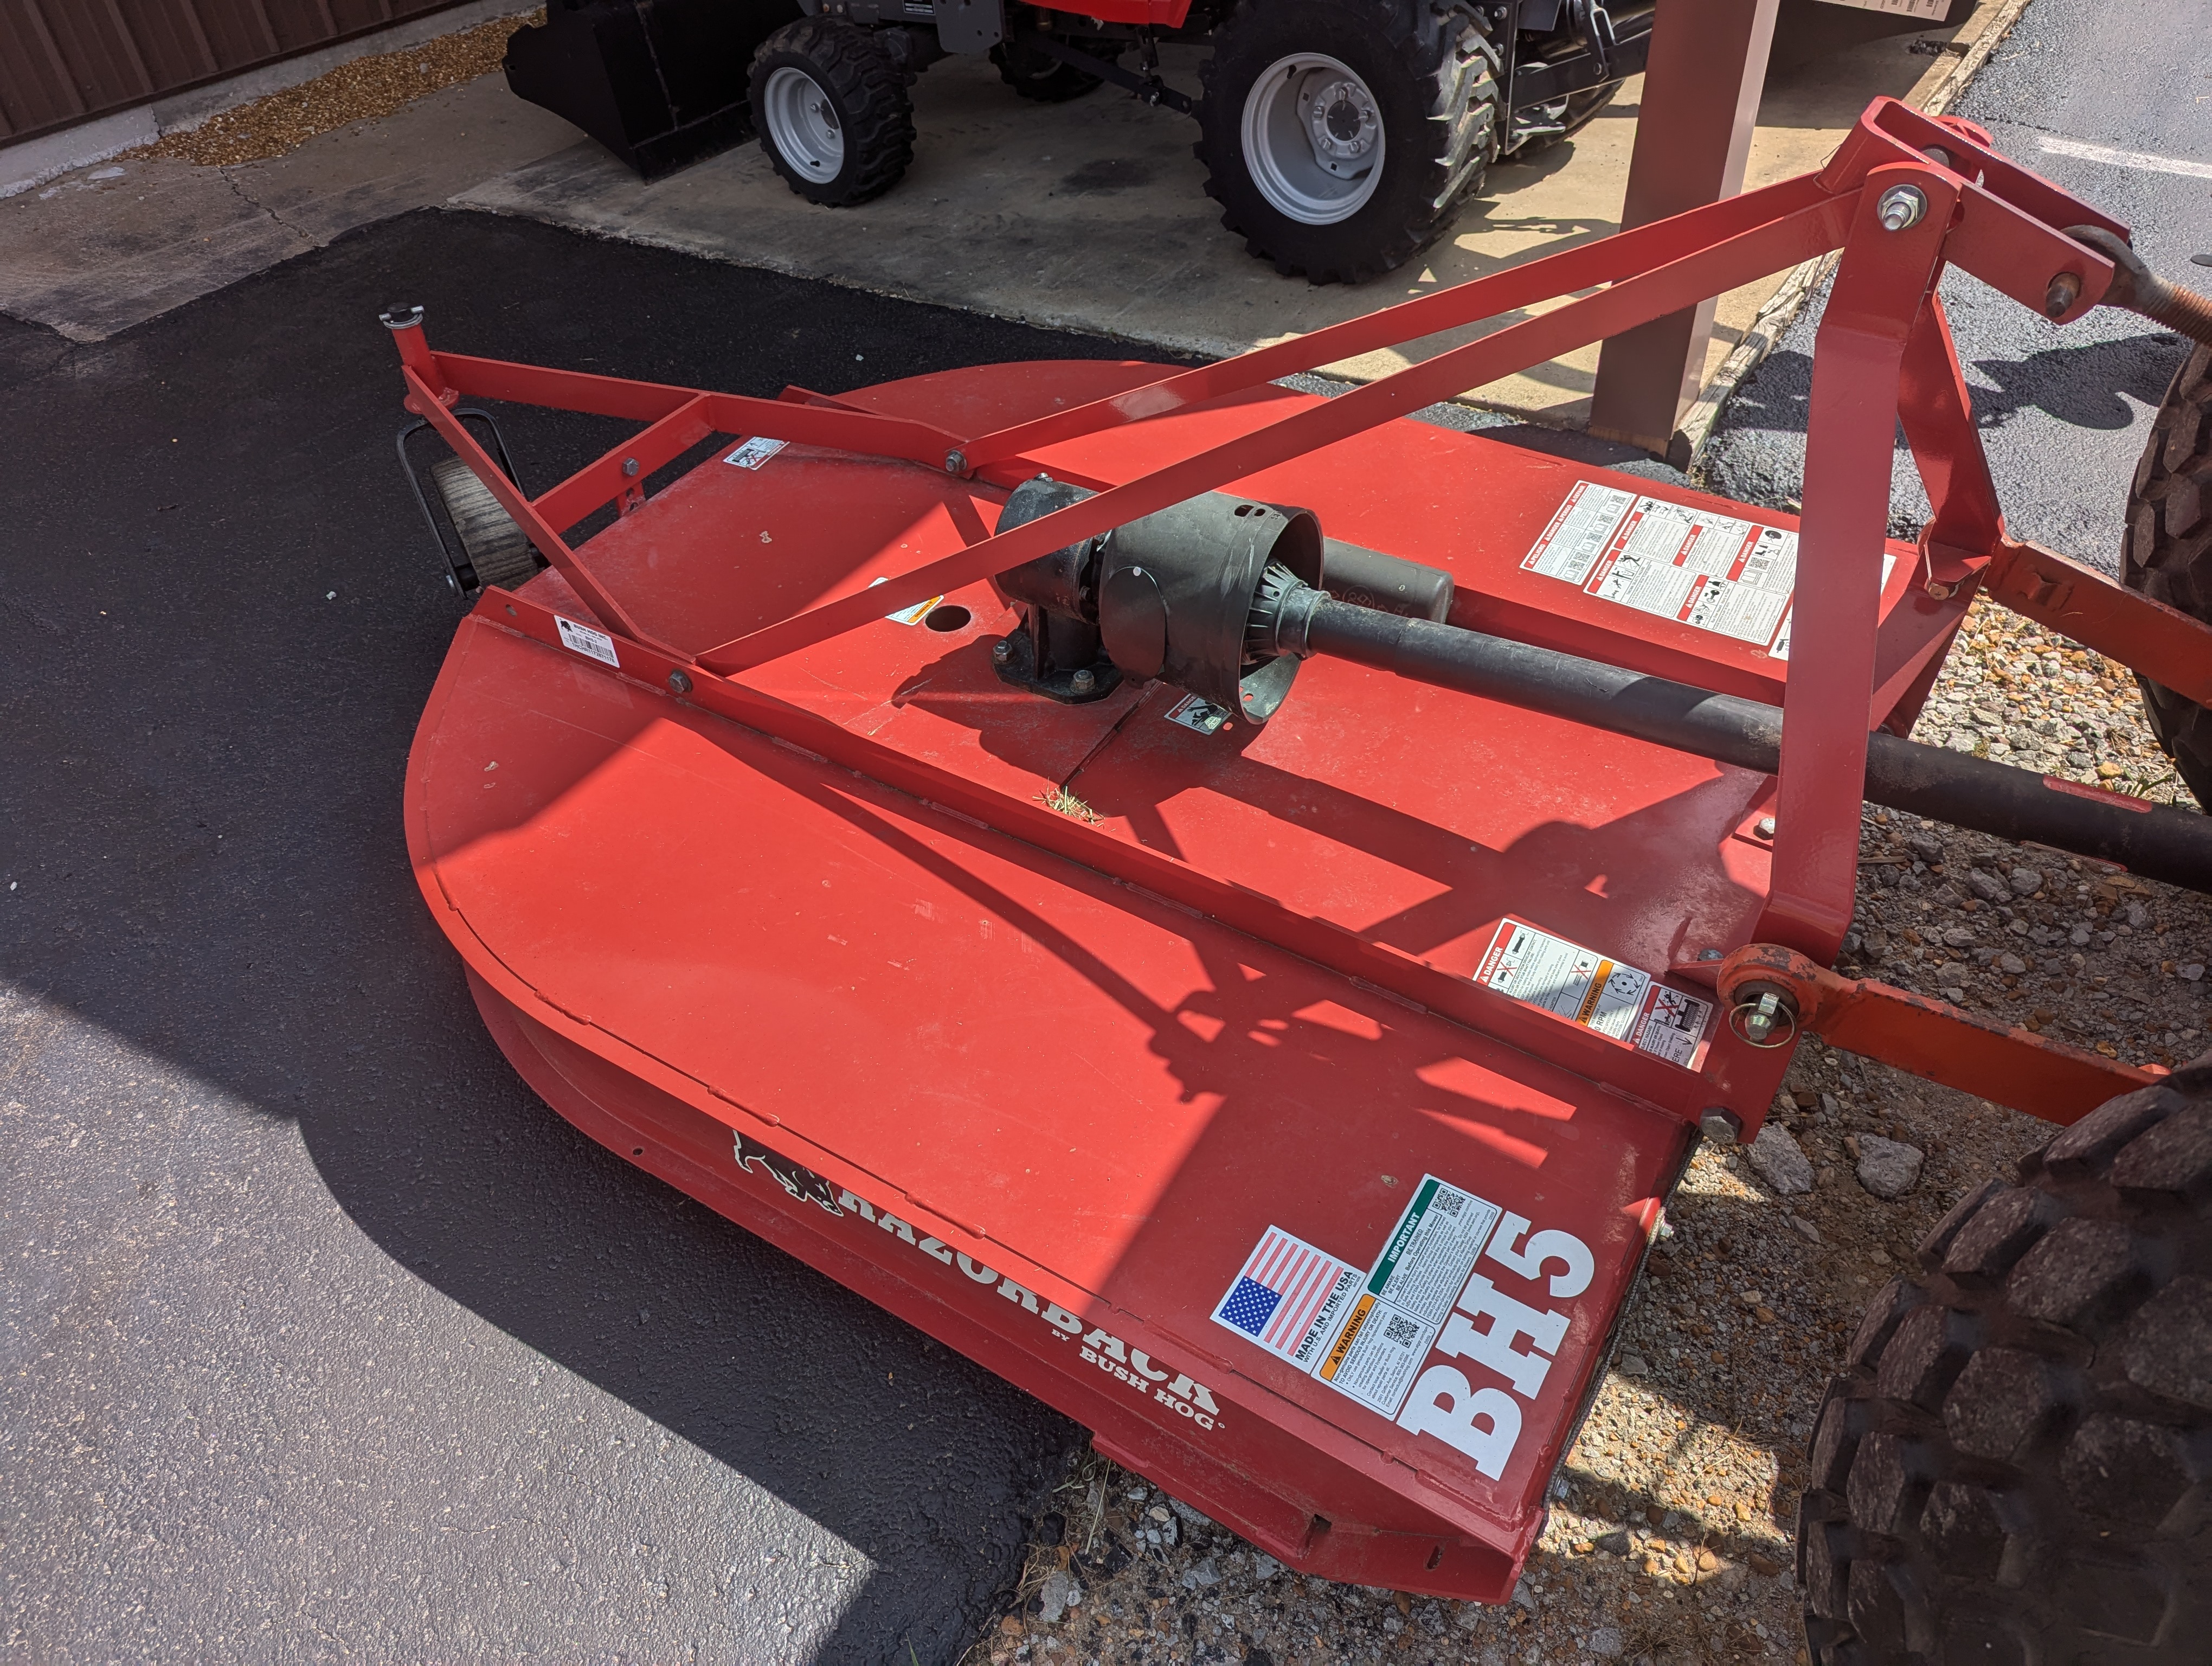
(1083,682)
(1709,954)
(955,461)
(1001,651)
(1722,1127)
(630,466)
(1763,828)
(2060,294)
(1901,206)
(678,682)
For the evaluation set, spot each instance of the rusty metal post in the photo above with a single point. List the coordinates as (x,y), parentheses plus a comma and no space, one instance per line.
(1701,91)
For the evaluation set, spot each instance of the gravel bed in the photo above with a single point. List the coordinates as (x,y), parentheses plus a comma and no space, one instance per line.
(1669,1542)
(360,90)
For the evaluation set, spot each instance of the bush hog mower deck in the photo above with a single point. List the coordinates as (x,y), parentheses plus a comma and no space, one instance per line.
(1233,909)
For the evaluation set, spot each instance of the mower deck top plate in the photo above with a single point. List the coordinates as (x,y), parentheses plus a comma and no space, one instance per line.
(1063,1121)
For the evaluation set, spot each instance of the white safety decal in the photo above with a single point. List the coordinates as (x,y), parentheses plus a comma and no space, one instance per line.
(1363,1335)
(592,644)
(1591,989)
(1709,571)
(756,452)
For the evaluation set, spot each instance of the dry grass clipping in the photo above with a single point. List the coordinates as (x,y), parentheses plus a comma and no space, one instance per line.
(362,90)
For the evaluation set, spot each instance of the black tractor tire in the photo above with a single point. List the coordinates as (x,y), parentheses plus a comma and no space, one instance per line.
(1537,129)
(2168,551)
(2015,1465)
(858,92)
(1047,80)
(1431,69)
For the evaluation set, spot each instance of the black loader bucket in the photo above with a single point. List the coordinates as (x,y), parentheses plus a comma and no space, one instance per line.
(659,83)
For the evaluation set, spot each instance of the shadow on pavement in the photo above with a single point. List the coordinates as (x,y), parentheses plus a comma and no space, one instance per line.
(225,615)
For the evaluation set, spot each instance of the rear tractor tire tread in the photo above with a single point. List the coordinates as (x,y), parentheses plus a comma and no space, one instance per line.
(2015,1464)
(2167,552)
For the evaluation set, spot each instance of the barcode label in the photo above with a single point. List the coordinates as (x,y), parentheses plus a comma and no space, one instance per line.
(592,644)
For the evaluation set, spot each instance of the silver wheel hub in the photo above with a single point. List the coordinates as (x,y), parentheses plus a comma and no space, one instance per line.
(802,123)
(1341,119)
(1313,138)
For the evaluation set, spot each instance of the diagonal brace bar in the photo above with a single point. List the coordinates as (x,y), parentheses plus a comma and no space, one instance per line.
(1605,260)
(1770,248)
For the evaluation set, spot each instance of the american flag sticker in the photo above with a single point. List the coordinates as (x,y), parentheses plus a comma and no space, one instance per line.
(1287,1298)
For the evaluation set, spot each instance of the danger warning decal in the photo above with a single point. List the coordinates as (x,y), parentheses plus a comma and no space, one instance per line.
(1700,568)
(1709,571)
(1598,992)
(1376,1339)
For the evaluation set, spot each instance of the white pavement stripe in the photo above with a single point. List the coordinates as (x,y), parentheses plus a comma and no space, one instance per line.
(2147,161)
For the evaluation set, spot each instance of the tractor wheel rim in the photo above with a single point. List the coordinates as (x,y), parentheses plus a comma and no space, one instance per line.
(1313,138)
(803,122)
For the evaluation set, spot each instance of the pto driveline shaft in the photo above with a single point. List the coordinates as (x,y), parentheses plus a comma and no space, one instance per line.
(2153,839)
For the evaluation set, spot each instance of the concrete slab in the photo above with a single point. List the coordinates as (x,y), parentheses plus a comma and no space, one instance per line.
(1092,215)
(102,249)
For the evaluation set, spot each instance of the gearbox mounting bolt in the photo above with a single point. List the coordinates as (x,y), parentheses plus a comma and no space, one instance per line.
(1763,827)
(1083,682)
(1901,206)
(1001,651)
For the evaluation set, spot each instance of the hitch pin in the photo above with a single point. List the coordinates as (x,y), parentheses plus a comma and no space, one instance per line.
(1757,1021)
(1759,1024)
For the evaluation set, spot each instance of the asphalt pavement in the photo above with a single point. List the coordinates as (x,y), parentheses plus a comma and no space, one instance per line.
(323,1338)
(2113,100)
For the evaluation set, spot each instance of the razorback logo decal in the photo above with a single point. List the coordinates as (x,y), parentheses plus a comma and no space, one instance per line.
(1176,1390)
(803,1183)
